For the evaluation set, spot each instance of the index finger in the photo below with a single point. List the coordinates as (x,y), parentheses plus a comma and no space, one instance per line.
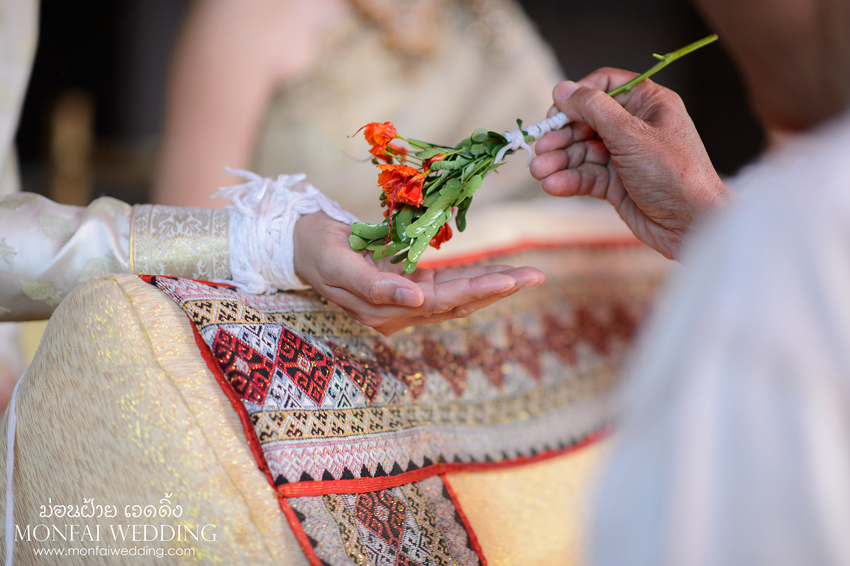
(607,79)
(447,295)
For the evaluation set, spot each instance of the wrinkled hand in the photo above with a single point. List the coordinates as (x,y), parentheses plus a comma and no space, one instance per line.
(379,295)
(639,151)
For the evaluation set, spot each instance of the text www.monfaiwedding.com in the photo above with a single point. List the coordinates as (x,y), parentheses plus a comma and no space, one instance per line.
(112,551)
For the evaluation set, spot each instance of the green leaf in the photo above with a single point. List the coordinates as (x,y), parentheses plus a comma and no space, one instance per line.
(370,232)
(420,143)
(358,244)
(479,135)
(387,250)
(519,123)
(528,139)
(429,200)
(474,183)
(420,244)
(439,208)
(428,153)
(450,165)
(477,149)
(402,220)
(496,137)
(461,214)
(467,172)
(464,143)
(398,258)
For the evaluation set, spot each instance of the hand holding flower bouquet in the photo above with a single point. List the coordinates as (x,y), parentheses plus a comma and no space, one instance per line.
(425,187)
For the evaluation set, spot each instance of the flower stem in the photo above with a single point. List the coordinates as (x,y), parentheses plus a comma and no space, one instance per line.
(664,60)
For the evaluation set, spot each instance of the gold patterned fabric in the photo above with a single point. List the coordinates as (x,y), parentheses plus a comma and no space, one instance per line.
(519,526)
(187,242)
(118,407)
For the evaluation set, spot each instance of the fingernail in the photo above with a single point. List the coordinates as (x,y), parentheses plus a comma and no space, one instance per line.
(406,297)
(564,89)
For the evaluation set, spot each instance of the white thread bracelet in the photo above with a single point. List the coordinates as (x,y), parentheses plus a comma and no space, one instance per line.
(516,139)
(262,222)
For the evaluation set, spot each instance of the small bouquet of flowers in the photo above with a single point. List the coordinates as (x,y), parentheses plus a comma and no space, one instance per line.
(426,185)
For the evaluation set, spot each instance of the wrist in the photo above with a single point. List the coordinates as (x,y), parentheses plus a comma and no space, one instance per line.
(722,198)
(717,199)
(263,218)
(301,240)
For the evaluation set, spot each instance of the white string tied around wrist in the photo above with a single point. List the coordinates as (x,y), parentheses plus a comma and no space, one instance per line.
(262,223)
(516,139)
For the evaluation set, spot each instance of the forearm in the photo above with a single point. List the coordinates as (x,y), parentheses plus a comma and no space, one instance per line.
(47,249)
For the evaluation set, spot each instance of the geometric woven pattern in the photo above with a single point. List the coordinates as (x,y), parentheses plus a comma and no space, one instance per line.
(355,429)
(339,408)
(304,364)
(416,524)
(247,371)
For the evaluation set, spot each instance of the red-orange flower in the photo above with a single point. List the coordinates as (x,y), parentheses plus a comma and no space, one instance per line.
(398,151)
(426,165)
(379,135)
(444,235)
(401,183)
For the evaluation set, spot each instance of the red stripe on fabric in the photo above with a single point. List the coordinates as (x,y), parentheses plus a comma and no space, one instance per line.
(236,403)
(149,279)
(298,531)
(473,540)
(364,485)
(531,245)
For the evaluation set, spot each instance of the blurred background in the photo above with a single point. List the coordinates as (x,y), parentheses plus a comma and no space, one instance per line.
(94,111)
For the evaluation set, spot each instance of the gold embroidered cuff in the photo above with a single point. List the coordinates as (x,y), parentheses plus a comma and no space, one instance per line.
(186,242)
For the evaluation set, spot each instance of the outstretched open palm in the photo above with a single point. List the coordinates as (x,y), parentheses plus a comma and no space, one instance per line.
(378,293)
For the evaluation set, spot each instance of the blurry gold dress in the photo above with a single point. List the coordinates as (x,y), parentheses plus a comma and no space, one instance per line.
(437,69)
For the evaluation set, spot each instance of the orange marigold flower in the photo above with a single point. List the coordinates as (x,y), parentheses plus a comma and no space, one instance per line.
(379,135)
(444,235)
(401,183)
(426,165)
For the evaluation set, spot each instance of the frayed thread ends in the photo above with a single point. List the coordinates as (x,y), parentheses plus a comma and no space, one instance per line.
(263,214)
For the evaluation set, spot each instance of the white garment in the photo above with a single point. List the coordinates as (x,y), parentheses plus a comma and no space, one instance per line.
(734,447)
(18,37)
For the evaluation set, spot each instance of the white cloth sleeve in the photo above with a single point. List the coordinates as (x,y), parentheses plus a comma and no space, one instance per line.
(47,249)
(734,448)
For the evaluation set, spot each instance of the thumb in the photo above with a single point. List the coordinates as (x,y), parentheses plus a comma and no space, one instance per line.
(595,108)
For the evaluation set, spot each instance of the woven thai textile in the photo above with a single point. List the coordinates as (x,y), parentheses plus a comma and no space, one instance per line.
(352,427)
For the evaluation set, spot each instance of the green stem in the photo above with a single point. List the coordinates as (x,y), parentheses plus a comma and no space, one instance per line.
(664,61)
(421,146)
